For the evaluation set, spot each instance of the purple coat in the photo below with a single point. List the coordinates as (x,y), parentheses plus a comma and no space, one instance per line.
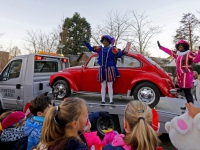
(184,70)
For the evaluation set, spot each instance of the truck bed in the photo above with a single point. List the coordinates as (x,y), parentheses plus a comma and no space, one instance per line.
(167,108)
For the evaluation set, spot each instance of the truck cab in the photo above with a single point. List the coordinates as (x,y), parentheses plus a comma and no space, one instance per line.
(27,76)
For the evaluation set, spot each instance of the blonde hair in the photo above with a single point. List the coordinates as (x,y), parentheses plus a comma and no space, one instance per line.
(4,115)
(138,115)
(57,121)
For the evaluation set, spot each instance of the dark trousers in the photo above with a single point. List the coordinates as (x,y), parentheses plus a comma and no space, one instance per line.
(188,95)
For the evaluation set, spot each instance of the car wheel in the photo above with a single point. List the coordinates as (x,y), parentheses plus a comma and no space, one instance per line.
(148,93)
(102,124)
(61,87)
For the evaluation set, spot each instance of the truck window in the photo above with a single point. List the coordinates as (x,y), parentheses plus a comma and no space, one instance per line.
(128,62)
(12,70)
(45,66)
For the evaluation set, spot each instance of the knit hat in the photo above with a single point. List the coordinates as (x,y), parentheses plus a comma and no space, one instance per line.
(110,39)
(184,44)
(12,119)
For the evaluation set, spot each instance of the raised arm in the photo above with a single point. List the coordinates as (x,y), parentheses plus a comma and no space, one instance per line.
(118,53)
(166,50)
(92,49)
(197,57)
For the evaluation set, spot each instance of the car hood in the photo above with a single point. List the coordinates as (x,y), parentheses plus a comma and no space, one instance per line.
(72,68)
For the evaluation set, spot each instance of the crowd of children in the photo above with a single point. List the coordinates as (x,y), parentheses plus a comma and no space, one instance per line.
(67,127)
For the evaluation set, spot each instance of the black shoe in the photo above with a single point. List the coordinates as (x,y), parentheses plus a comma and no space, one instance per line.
(102,103)
(112,104)
(183,108)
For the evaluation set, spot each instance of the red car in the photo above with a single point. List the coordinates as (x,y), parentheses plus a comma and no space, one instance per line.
(139,77)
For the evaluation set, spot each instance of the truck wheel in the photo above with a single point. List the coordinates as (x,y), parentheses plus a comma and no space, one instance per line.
(102,124)
(63,88)
(148,93)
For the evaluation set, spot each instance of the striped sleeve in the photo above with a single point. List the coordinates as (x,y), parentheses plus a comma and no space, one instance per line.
(168,51)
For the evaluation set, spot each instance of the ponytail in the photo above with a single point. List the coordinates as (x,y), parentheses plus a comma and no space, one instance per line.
(139,118)
(50,130)
(142,137)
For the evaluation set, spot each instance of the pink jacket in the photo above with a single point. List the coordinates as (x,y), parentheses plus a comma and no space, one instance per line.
(118,141)
(184,70)
(93,139)
(109,137)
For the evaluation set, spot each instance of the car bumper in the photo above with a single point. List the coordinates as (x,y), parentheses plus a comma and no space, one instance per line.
(174,91)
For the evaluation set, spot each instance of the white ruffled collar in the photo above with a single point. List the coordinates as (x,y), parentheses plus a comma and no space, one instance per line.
(182,53)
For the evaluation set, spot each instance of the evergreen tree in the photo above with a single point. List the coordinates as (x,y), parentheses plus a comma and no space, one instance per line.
(74,30)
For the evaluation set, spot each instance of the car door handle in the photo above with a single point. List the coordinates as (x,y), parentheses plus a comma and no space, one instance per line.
(18,86)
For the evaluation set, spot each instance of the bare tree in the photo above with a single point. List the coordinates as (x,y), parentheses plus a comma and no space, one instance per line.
(14,51)
(116,24)
(39,40)
(142,32)
(1,47)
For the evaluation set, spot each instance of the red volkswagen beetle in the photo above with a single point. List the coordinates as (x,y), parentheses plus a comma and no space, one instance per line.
(140,77)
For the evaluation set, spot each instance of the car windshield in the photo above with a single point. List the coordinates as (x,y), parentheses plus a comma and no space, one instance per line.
(155,64)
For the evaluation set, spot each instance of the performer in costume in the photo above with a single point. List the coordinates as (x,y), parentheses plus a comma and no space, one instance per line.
(184,71)
(107,72)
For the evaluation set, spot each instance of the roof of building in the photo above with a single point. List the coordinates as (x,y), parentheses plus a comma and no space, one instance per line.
(88,54)
(73,57)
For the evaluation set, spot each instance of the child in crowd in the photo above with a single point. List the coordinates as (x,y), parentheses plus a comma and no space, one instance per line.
(39,107)
(197,87)
(93,139)
(13,130)
(2,117)
(61,126)
(192,109)
(139,133)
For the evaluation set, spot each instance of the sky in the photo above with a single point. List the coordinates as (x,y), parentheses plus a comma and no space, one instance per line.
(17,16)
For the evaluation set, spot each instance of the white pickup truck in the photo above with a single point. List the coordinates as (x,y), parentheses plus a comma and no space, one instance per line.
(26,77)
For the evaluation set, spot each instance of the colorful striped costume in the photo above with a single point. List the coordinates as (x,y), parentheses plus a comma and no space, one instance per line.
(107,70)
(184,70)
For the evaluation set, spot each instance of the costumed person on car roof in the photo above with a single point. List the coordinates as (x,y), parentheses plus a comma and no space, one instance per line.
(184,71)
(107,72)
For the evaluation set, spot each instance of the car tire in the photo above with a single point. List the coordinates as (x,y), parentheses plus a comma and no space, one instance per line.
(97,125)
(147,91)
(63,93)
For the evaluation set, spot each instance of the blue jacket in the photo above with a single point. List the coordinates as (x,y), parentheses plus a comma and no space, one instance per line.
(103,55)
(32,129)
(110,147)
(67,144)
(75,145)
(93,116)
